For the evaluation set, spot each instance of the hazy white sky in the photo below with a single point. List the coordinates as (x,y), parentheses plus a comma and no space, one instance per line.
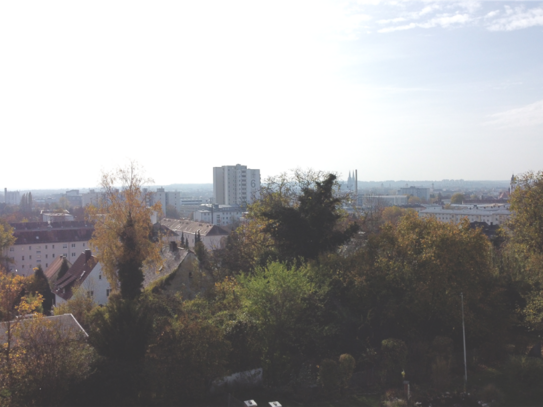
(397,89)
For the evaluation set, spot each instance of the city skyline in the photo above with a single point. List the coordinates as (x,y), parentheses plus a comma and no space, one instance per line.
(411,90)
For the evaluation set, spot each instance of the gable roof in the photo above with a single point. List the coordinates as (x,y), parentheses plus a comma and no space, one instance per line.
(54,267)
(76,275)
(66,323)
(179,226)
(171,260)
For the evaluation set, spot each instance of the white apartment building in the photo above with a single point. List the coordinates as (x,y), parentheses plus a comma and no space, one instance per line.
(40,243)
(221,215)
(87,272)
(12,197)
(91,198)
(235,185)
(496,216)
(166,198)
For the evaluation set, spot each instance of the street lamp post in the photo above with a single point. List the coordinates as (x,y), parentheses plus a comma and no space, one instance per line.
(464,333)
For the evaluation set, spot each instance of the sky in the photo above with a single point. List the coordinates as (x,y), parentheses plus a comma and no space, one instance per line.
(410,90)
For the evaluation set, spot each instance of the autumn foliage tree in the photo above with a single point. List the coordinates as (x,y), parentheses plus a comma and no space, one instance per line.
(123,229)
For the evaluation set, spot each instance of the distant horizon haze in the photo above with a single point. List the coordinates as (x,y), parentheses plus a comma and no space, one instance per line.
(396,89)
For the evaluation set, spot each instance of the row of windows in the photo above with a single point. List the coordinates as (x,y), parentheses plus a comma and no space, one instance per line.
(64,246)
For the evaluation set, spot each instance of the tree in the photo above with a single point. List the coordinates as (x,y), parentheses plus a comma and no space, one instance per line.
(406,283)
(309,226)
(414,200)
(38,283)
(277,299)
(130,262)
(457,198)
(171,212)
(13,303)
(393,214)
(123,230)
(6,240)
(522,255)
(526,222)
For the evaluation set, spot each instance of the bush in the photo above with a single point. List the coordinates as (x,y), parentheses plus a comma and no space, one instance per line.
(394,360)
(346,368)
(441,374)
(328,375)
(491,394)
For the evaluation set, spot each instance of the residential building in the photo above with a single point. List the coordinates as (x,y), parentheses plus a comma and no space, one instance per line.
(179,273)
(419,192)
(91,198)
(12,197)
(56,216)
(235,185)
(212,236)
(221,215)
(86,272)
(165,198)
(383,200)
(40,243)
(490,216)
(74,198)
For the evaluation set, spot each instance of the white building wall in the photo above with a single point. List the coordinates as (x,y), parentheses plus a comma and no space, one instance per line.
(28,256)
(478,215)
(235,185)
(90,198)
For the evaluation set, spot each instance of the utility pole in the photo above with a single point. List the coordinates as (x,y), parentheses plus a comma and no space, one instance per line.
(464,333)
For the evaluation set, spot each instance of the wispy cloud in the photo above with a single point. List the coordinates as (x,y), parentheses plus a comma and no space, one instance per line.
(516,19)
(529,115)
(397,15)
(444,21)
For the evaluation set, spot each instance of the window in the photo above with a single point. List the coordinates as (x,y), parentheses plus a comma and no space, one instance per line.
(73,244)
(46,264)
(23,257)
(29,247)
(64,246)
(53,246)
(108,291)
(30,257)
(90,293)
(38,261)
(38,251)
(73,254)
(99,276)
(46,246)
(46,255)
(83,244)
(65,255)
(11,249)
(53,255)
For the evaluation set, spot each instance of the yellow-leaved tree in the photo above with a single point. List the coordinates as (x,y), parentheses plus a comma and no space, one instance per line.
(123,237)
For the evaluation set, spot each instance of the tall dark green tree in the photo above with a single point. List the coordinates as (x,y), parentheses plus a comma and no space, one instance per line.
(40,285)
(130,262)
(311,226)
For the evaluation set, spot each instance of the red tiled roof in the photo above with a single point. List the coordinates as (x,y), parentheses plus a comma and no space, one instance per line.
(76,275)
(178,226)
(54,267)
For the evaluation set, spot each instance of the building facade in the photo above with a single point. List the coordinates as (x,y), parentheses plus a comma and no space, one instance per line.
(419,192)
(40,243)
(165,198)
(235,185)
(221,215)
(489,216)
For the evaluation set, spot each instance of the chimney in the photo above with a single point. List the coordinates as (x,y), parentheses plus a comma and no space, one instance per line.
(88,255)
